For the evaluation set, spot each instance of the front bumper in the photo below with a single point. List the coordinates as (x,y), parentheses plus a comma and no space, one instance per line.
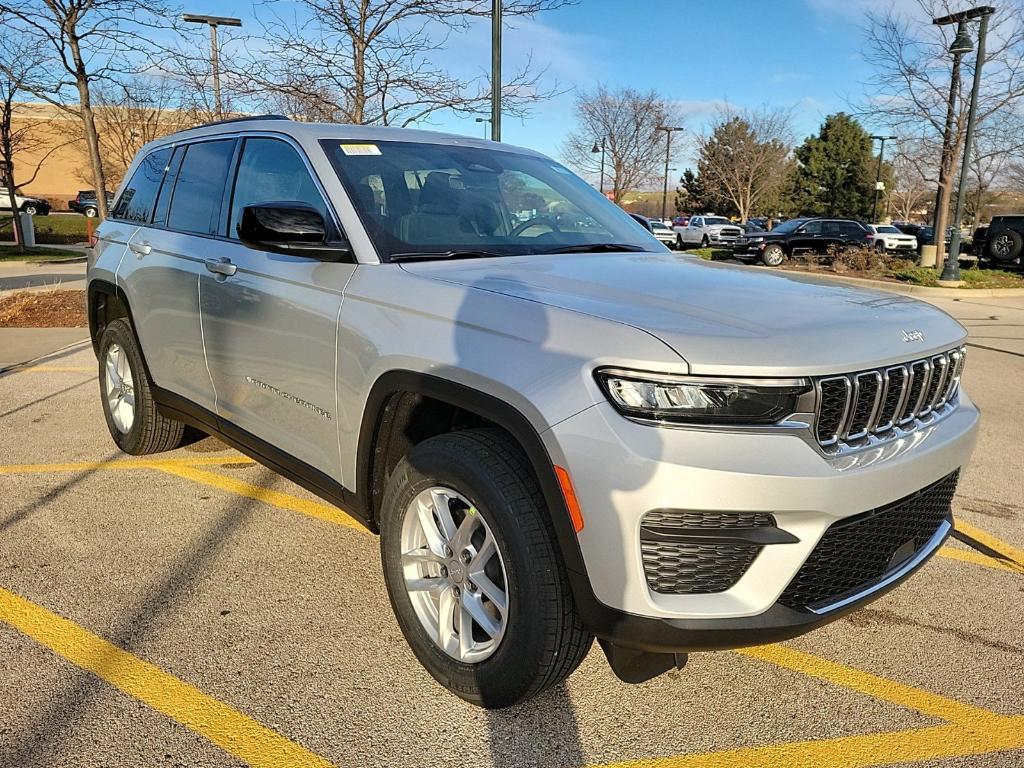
(621,470)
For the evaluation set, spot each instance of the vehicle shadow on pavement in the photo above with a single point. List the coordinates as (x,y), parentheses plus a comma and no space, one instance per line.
(41,740)
(541,732)
(48,396)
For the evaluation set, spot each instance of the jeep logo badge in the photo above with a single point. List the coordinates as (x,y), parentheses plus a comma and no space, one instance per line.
(912,335)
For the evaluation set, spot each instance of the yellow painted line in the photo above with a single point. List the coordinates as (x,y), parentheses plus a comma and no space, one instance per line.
(316,509)
(1008,551)
(228,728)
(994,734)
(43,368)
(81,466)
(926,703)
(977,558)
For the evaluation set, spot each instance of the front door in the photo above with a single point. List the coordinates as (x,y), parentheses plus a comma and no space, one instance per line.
(270,320)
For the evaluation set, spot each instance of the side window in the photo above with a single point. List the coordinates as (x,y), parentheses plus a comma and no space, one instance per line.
(851,228)
(272,171)
(199,189)
(136,201)
(163,200)
(812,228)
(697,222)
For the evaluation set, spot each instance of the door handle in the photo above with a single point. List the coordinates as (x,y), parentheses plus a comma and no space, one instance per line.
(221,266)
(142,249)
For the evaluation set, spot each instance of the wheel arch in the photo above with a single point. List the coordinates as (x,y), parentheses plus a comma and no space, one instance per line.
(386,418)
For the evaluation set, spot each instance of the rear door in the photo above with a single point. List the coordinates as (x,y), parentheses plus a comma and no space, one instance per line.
(806,238)
(271,325)
(160,275)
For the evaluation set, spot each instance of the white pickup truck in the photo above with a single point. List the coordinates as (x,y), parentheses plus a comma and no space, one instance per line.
(706,231)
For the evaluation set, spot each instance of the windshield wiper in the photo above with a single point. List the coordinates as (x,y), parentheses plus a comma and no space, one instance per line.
(431,255)
(596,248)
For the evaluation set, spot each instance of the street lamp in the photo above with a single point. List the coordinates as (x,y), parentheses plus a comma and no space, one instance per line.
(495,70)
(600,148)
(878,173)
(487,122)
(961,45)
(213,22)
(668,150)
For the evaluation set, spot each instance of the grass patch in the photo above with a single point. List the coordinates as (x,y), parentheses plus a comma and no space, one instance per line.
(973,277)
(710,254)
(11,253)
(53,230)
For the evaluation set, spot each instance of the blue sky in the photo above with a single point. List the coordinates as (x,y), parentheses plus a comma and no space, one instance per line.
(804,54)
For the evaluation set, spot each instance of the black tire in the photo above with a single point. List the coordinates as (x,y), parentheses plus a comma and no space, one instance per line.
(150,431)
(30,208)
(1005,246)
(773,255)
(91,212)
(704,242)
(680,245)
(544,640)
(879,246)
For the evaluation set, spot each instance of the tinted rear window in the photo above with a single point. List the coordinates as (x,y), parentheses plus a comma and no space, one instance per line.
(199,189)
(136,202)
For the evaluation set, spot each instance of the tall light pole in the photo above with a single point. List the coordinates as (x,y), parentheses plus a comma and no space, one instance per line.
(878,173)
(486,121)
(495,70)
(213,22)
(594,150)
(961,45)
(668,151)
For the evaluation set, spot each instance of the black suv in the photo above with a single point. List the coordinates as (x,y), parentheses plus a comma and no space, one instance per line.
(86,203)
(1004,239)
(802,237)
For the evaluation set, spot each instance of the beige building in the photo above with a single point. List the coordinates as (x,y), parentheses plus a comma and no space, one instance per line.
(55,145)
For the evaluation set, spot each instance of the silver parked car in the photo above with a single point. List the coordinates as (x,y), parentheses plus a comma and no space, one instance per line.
(560,430)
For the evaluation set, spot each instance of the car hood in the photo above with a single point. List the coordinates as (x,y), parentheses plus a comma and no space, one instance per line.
(720,318)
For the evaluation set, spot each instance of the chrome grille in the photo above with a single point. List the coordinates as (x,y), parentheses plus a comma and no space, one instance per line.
(854,407)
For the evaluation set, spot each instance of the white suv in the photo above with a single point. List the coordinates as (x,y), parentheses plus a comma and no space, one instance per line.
(560,429)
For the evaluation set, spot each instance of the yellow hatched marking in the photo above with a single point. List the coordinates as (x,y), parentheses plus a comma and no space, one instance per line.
(316,509)
(1008,551)
(228,728)
(81,466)
(977,558)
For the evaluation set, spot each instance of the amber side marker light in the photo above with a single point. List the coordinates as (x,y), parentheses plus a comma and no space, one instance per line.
(569,494)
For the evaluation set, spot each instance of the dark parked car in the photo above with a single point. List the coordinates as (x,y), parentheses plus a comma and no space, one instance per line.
(927,236)
(803,237)
(978,240)
(1004,241)
(86,203)
(753,227)
(909,228)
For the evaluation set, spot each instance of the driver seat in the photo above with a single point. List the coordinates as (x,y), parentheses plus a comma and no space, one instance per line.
(437,218)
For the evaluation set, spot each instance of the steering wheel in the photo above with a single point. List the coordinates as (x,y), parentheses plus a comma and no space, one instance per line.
(536,221)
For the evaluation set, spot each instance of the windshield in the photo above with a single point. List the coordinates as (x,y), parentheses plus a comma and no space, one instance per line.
(788,226)
(658,225)
(417,198)
(716,220)
(888,230)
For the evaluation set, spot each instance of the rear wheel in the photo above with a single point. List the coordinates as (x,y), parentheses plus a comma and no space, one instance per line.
(773,255)
(30,209)
(472,572)
(132,417)
(1006,246)
(90,212)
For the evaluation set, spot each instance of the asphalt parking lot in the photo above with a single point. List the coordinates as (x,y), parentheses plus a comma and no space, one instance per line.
(195,609)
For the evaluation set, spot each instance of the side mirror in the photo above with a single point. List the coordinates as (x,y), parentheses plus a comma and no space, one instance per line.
(290,227)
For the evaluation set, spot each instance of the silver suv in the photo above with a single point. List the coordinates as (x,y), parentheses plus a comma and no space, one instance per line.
(560,429)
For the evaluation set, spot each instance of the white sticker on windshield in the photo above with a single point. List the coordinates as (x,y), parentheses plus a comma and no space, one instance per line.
(360,149)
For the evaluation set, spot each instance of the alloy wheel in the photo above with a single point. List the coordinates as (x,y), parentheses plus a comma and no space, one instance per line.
(120,388)
(454,574)
(1002,245)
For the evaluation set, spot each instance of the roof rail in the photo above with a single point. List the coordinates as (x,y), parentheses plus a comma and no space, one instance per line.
(243,119)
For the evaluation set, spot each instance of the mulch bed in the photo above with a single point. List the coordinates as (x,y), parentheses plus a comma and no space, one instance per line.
(43,309)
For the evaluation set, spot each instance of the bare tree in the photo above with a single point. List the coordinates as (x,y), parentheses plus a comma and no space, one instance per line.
(627,121)
(913,182)
(913,81)
(370,61)
(743,158)
(82,42)
(19,134)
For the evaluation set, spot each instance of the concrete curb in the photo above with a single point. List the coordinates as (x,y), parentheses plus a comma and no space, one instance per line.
(919,290)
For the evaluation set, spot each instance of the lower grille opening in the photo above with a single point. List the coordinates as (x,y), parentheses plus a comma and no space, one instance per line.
(860,551)
(687,552)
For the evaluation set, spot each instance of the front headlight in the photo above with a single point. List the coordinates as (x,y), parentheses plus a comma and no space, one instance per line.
(700,400)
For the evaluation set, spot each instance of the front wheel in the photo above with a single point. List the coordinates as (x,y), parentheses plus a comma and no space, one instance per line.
(472,571)
(30,209)
(90,212)
(773,255)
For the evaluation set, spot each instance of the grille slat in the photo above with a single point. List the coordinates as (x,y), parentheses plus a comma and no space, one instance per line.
(853,406)
(859,551)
